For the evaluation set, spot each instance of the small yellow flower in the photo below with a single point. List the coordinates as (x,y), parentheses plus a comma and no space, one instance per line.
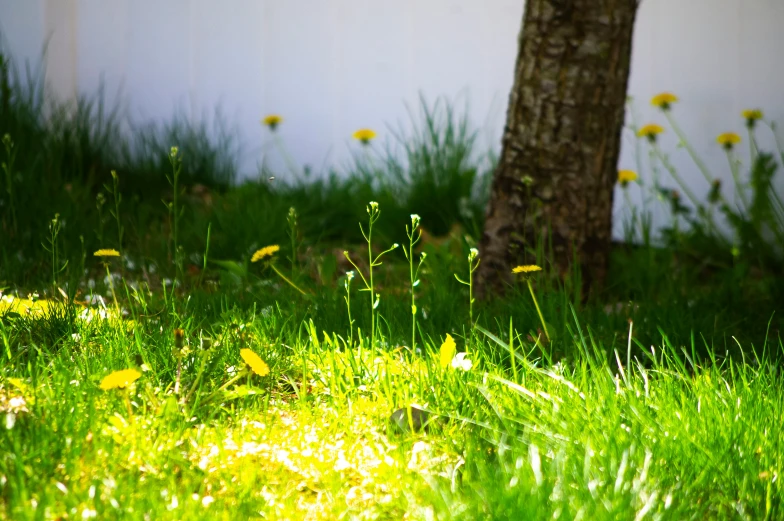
(751,116)
(364,135)
(528,268)
(120,379)
(664,100)
(255,362)
(266,251)
(107,253)
(650,131)
(272,121)
(447,351)
(626,176)
(728,140)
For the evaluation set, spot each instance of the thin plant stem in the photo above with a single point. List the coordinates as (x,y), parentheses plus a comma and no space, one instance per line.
(414,235)
(736,177)
(674,173)
(347,298)
(281,275)
(693,153)
(111,286)
(126,396)
(538,310)
(286,157)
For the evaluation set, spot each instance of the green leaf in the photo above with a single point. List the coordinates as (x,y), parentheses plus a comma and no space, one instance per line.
(234,267)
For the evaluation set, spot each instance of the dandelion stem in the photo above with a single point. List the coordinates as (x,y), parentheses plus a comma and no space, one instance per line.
(276,270)
(736,178)
(689,148)
(539,311)
(111,286)
(126,396)
(286,157)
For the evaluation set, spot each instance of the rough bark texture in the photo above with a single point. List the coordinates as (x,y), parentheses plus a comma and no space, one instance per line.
(558,163)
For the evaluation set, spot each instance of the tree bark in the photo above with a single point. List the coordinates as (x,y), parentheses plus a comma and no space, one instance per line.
(559,155)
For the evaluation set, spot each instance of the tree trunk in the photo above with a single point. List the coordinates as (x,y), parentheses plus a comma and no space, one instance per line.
(559,155)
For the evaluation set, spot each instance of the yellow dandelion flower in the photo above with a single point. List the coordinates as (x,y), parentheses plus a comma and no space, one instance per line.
(447,351)
(751,116)
(266,251)
(728,140)
(650,131)
(272,121)
(120,379)
(664,100)
(626,176)
(107,253)
(255,362)
(528,268)
(364,135)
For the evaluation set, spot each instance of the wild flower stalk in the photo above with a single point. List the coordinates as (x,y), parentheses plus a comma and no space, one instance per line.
(751,117)
(373,261)
(8,169)
(55,225)
(272,122)
(526,270)
(365,136)
(179,354)
(175,211)
(728,140)
(206,254)
(624,178)
(291,220)
(347,298)
(414,235)
(100,200)
(473,264)
(269,251)
(664,101)
(115,191)
(105,255)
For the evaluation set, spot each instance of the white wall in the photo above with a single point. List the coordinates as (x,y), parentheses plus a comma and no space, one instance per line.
(331,66)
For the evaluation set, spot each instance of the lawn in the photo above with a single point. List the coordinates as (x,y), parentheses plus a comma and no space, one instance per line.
(176,346)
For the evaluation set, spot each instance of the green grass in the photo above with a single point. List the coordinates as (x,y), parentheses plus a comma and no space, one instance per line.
(661,398)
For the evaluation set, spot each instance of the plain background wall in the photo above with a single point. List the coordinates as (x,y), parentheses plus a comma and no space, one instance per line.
(332,66)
